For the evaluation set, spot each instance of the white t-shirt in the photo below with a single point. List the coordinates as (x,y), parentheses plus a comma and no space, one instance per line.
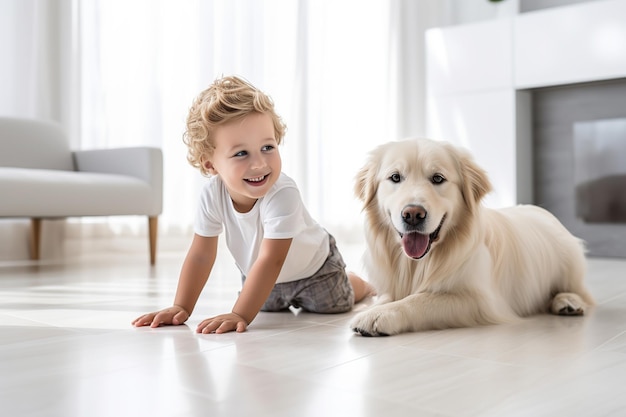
(280,214)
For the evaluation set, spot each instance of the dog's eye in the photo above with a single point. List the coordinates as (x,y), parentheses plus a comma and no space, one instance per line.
(438,179)
(395,177)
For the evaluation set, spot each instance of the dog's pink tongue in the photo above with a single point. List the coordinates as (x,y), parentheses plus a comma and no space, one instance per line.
(415,244)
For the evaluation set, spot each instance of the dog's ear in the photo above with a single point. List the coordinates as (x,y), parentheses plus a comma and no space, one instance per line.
(475,181)
(365,185)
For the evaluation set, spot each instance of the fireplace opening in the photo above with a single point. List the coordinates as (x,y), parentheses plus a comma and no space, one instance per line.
(600,170)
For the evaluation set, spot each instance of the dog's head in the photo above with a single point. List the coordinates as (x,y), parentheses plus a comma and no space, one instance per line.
(420,190)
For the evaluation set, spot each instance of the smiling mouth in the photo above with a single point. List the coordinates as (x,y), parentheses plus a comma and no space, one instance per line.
(257,180)
(416,245)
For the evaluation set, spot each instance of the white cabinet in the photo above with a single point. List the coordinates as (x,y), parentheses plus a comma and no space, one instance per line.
(469,58)
(571,44)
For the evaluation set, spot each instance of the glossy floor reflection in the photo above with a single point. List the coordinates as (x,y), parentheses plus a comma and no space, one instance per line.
(67,349)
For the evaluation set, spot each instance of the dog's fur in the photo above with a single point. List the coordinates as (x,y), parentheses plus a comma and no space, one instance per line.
(476,265)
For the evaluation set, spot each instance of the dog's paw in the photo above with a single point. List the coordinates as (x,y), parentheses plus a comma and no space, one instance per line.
(377,321)
(568,304)
(365,333)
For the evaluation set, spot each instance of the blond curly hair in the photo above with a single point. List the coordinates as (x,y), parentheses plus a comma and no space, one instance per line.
(227,99)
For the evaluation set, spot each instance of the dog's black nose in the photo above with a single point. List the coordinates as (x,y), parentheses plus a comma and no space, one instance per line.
(413,214)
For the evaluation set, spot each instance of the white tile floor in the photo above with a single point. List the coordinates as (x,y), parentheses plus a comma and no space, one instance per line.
(67,349)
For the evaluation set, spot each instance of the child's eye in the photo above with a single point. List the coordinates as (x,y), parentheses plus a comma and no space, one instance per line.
(240,154)
(267,148)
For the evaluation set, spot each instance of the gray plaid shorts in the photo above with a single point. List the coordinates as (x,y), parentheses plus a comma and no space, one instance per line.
(327,291)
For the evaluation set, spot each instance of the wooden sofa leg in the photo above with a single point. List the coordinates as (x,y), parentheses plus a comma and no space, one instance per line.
(35,238)
(152,228)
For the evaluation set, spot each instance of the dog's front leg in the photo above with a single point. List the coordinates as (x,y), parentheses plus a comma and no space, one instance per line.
(423,311)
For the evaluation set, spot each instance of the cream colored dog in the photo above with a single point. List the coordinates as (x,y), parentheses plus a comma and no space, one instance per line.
(440,259)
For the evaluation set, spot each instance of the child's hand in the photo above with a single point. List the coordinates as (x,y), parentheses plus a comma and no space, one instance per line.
(222,324)
(173,315)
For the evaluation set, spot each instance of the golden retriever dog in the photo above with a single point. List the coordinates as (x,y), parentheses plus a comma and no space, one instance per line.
(439,259)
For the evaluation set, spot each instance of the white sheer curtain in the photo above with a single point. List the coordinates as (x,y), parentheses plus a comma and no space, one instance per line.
(344,74)
(39,67)
(143,62)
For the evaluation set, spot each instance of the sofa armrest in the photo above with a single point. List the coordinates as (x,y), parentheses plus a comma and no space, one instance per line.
(144,163)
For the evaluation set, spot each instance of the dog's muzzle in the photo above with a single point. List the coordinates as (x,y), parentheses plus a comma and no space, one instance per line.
(415,242)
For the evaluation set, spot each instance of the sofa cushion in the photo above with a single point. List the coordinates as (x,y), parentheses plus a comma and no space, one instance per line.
(34,144)
(52,193)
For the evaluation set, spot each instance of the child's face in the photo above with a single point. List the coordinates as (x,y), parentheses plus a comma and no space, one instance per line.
(246,157)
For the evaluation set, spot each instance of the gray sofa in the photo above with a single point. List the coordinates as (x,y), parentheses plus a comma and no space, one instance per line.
(42,178)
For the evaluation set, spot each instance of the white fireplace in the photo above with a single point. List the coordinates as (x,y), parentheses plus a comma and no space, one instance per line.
(481,79)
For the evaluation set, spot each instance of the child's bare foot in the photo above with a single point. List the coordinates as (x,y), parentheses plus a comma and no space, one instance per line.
(362,288)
